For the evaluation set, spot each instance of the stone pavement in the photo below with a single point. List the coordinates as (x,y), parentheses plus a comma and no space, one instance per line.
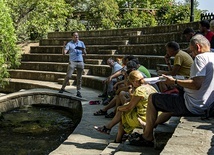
(192,136)
(87,141)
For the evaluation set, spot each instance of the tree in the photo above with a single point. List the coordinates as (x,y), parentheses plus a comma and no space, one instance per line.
(9,51)
(34,18)
(104,13)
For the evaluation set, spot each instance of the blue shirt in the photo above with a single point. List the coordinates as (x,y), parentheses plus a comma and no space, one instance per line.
(75,54)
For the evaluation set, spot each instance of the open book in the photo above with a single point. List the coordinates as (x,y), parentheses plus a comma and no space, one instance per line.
(154,80)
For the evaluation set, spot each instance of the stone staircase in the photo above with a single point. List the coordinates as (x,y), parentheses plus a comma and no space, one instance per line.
(45,63)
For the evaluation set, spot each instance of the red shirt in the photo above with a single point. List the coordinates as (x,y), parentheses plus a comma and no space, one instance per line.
(209,35)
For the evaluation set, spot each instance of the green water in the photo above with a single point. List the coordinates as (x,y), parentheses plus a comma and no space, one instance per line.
(34,130)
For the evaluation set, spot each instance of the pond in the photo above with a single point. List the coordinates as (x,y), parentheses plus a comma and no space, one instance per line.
(35,129)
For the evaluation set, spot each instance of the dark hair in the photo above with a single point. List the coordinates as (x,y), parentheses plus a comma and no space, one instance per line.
(188,30)
(173,45)
(131,64)
(205,23)
(129,57)
(72,33)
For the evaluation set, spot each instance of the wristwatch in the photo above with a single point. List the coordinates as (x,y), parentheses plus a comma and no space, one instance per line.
(176,82)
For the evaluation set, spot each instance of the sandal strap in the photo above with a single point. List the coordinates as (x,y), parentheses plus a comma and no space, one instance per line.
(100,112)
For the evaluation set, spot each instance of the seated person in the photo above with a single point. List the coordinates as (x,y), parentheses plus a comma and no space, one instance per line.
(129,113)
(181,66)
(108,84)
(204,27)
(198,91)
(212,29)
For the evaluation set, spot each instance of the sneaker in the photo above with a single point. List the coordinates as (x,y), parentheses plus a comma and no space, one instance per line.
(61,90)
(79,94)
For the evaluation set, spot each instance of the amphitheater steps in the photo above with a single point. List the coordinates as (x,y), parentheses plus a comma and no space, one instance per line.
(94,61)
(97,70)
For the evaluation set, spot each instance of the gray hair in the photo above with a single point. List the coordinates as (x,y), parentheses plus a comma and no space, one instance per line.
(199,39)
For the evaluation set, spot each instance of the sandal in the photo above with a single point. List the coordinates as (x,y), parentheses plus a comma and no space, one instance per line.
(140,141)
(134,135)
(125,137)
(94,102)
(103,129)
(100,112)
(111,115)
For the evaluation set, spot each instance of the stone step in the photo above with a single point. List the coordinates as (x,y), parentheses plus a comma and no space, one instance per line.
(97,70)
(120,42)
(163,67)
(138,49)
(162,134)
(120,32)
(87,40)
(90,81)
(36,75)
(193,135)
(70,82)
(94,61)
(58,49)
(132,33)
(149,61)
(157,38)
(110,51)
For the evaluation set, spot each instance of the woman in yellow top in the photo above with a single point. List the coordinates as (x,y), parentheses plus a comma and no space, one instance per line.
(129,113)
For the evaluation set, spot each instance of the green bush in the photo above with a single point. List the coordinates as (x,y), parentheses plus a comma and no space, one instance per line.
(9,51)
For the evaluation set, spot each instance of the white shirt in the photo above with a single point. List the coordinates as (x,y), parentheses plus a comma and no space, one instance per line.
(197,101)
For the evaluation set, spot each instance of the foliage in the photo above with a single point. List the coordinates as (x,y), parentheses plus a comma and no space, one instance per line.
(174,13)
(9,51)
(137,18)
(34,18)
(104,13)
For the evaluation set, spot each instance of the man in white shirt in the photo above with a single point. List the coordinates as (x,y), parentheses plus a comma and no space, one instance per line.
(198,92)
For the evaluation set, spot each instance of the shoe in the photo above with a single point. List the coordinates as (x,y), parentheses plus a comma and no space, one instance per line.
(140,141)
(61,90)
(100,113)
(94,102)
(102,95)
(106,101)
(111,115)
(103,129)
(79,94)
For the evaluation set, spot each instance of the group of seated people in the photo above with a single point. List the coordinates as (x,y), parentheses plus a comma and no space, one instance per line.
(140,104)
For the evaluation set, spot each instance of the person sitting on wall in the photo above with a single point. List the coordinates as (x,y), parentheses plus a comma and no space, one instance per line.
(181,65)
(196,99)
(108,84)
(129,113)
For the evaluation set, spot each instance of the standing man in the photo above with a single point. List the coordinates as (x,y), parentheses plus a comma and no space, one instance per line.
(76,49)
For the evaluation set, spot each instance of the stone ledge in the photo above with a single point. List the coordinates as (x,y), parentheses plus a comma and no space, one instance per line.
(192,136)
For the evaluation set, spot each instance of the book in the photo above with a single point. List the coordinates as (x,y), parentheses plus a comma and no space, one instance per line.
(79,48)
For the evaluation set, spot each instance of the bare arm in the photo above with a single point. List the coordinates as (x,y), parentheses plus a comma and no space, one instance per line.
(84,52)
(194,83)
(134,101)
(173,71)
(64,51)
